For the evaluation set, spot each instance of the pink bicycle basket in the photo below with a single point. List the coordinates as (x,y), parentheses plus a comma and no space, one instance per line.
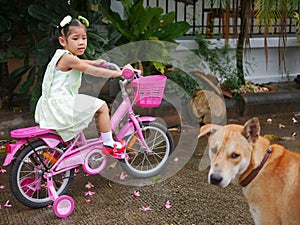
(149,90)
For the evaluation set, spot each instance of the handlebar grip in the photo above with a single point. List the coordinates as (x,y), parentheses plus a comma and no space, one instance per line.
(103,65)
(127,73)
(110,66)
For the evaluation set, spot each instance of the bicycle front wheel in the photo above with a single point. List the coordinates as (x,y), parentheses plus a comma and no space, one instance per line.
(143,164)
(26,176)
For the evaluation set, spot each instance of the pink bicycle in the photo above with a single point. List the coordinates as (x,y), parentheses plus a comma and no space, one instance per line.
(43,164)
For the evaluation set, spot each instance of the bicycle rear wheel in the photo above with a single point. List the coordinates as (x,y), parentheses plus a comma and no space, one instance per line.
(143,164)
(26,176)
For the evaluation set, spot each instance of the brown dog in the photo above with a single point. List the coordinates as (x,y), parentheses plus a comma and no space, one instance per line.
(269,174)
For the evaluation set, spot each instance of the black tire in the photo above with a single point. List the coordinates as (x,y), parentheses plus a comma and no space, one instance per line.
(26,176)
(141,164)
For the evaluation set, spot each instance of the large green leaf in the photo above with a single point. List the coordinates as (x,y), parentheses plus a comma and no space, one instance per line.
(15,52)
(172,31)
(97,37)
(16,76)
(148,21)
(117,22)
(3,56)
(41,13)
(37,89)
(5,37)
(42,45)
(5,24)
(25,88)
(129,4)
(168,18)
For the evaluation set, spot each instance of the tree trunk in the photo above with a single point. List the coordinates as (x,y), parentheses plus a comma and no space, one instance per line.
(243,35)
(5,92)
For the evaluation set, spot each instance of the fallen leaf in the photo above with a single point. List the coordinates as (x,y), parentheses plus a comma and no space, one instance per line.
(113,165)
(155,178)
(272,137)
(176,129)
(109,183)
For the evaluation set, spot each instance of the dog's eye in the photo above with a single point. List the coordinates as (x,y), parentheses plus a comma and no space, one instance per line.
(234,155)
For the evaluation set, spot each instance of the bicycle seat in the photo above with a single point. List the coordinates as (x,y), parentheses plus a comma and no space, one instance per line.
(30,132)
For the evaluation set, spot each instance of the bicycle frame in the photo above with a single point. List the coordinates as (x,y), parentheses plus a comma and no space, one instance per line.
(57,157)
(80,147)
(73,156)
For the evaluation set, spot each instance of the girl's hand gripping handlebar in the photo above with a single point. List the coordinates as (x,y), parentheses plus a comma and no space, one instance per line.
(128,72)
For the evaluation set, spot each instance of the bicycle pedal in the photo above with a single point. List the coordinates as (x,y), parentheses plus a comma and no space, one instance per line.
(120,155)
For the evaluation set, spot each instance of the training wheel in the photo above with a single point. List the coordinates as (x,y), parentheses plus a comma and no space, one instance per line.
(63,206)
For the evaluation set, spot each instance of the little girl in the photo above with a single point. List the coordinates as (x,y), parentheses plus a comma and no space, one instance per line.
(61,107)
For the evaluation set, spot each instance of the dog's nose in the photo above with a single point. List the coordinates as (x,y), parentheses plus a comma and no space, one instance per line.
(215,179)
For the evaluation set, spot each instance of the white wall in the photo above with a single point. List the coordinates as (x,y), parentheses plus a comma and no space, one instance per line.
(256,57)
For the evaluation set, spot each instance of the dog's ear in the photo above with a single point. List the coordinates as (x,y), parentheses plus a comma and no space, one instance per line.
(251,129)
(208,129)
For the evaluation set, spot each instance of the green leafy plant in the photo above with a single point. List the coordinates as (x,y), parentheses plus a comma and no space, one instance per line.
(10,15)
(41,49)
(220,62)
(144,23)
(185,81)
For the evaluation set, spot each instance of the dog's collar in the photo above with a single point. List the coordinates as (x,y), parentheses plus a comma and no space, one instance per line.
(254,172)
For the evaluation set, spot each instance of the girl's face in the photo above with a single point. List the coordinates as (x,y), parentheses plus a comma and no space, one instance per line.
(75,41)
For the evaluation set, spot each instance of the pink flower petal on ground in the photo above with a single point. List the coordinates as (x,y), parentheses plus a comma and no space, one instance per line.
(7,205)
(2,186)
(123,175)
(167,205)
(176,159)
(89,185)
(2,170)
(145,208)
(88,200)
(89,193)
(136,194)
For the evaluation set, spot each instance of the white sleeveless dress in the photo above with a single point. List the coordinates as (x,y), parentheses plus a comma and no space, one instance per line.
(61,107)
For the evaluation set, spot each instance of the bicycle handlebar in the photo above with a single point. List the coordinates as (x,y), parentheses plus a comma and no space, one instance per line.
(126,73)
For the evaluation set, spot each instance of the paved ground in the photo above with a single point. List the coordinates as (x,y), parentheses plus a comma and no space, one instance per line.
(192,200)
